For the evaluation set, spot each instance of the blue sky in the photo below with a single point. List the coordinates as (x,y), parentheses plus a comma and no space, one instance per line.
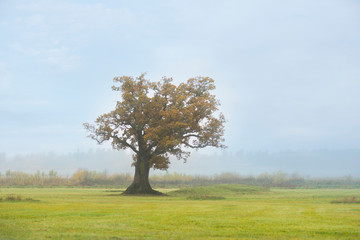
(287,72)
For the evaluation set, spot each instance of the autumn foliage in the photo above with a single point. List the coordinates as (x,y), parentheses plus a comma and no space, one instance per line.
(159,119)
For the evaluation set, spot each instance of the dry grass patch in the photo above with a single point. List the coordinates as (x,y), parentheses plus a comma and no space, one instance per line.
(352,199)
(15,198)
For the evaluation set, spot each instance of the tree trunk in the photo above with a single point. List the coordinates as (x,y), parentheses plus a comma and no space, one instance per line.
(141,184)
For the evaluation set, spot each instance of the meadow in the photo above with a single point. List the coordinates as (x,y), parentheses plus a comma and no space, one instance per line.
(212,212)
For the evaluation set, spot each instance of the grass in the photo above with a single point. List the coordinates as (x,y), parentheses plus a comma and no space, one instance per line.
(216,192)
(243,213)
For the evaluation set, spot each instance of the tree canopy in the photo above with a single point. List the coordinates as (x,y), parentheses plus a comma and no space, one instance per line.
(159,119)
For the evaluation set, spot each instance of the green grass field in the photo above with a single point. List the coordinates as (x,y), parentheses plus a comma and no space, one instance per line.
(216,212)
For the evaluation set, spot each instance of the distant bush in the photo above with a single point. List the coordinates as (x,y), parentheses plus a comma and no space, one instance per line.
(79,178)
(84,178)
(267,180)
(16,178)
(93,178)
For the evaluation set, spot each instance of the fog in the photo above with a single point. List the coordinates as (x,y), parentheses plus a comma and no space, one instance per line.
(287,76)
(306,163)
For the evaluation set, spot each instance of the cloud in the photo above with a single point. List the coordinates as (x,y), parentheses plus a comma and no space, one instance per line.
(62,58)
(286,73)
(63,34)
(76,18)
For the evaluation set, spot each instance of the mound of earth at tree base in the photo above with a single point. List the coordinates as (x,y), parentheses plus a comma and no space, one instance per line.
(217,192)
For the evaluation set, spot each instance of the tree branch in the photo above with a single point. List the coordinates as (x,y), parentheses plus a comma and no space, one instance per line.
(192,135)
(125,143)
(192,146)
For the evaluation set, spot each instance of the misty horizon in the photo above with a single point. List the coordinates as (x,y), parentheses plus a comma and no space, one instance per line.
(306,163)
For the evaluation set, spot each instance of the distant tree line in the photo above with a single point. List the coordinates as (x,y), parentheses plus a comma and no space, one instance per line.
(85,178)
(80,178)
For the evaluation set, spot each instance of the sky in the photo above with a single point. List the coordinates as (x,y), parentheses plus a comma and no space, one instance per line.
(287,72)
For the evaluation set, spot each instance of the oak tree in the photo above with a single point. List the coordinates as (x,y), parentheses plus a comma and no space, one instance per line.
(159,119)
